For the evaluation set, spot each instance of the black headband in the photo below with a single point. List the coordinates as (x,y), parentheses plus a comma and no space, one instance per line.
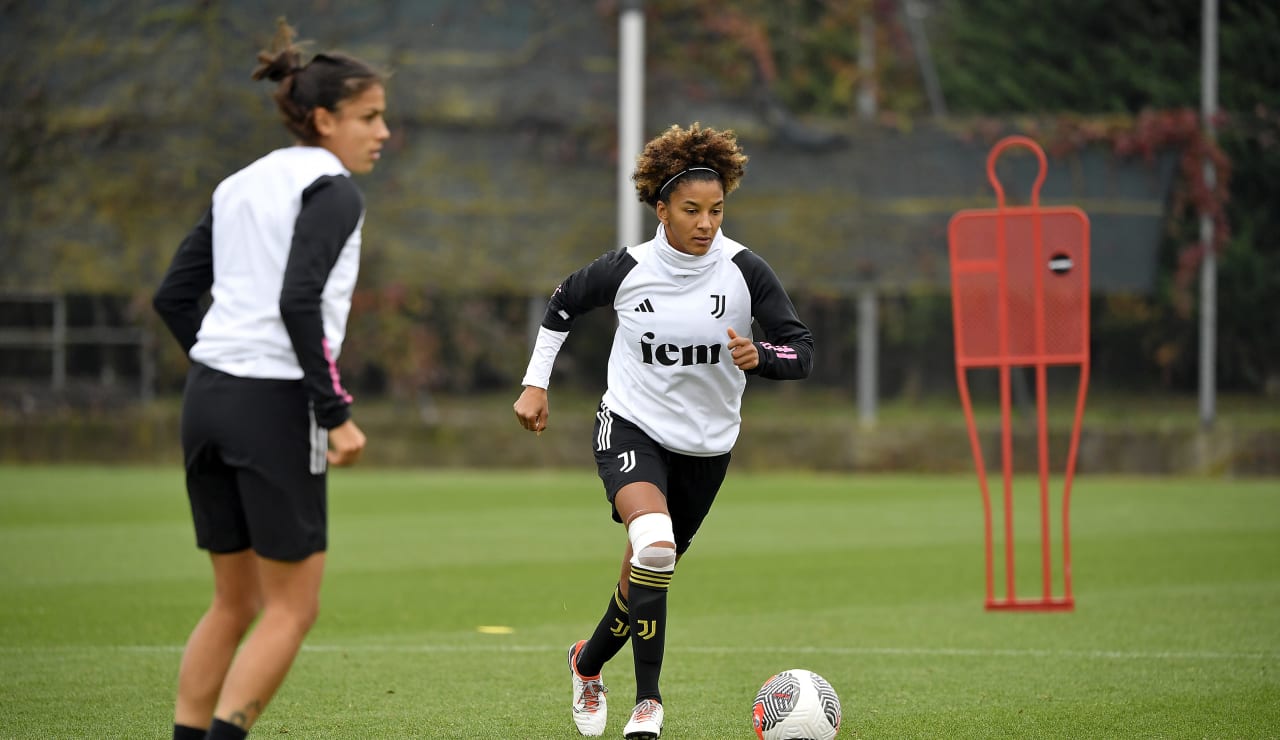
(681,172)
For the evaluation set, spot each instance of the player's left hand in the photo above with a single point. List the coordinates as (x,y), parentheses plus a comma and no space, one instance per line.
(532,409)
(744,352)
(346,443)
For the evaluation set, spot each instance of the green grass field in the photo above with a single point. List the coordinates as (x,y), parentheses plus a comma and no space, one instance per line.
(874,582)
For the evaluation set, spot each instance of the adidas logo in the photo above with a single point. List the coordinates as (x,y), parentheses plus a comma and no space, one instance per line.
(645,306)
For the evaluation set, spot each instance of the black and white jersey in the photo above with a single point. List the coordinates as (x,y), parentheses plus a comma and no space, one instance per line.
(279,249)
(670,371)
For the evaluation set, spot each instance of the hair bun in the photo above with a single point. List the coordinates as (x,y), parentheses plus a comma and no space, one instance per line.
(277,67)
(283,58)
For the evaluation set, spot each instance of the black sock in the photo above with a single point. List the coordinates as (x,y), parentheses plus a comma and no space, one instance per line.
(184,732)
(222,730)
(648,612)
(610,635)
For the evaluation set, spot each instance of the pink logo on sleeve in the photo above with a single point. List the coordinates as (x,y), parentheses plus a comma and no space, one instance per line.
(333,373)
(785,352)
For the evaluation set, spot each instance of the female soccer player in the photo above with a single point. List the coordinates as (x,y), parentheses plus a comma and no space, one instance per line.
(685,302)
(264,409)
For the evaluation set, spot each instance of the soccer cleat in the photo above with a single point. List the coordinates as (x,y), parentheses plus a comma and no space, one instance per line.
(645,722)
(590,711)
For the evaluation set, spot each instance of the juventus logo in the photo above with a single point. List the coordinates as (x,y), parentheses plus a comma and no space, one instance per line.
(646,628)
(628,459)
(718,305)
(619,628)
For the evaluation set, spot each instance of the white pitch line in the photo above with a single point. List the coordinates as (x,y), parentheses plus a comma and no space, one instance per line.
(718,650)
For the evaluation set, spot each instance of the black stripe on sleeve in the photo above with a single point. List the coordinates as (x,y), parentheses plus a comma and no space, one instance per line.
(188,279)
(787,352)
(590,287)
(331,211)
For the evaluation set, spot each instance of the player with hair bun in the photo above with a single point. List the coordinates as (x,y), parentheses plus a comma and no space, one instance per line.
(264,411)
(685,302)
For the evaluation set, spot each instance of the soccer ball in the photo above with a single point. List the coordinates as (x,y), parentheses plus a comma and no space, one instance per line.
(796,705)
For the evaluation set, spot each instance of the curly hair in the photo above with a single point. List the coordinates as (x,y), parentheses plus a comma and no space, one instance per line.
(680,153)
(324,82)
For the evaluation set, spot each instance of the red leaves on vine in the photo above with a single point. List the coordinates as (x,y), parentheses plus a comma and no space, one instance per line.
(1151,133)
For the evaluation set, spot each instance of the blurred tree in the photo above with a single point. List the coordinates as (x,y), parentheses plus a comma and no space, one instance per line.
(117,124)
(1141,59)
(1097,56)
(800,56)
(1122,75)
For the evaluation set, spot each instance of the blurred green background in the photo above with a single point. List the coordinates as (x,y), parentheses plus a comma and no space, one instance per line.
(868,123)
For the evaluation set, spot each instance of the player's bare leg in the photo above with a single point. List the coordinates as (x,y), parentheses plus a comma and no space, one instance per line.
(291,602)
(237,599)
(632,502)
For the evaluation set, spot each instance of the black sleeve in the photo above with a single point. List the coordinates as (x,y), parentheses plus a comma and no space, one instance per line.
(591,287)
(189,277)
(331,211)
(787,352)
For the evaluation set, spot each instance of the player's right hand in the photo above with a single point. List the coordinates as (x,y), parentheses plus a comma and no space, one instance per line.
(531,408)
(744,352)
(346,443)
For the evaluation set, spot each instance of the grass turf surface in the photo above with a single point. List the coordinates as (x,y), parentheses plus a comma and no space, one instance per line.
(875,582)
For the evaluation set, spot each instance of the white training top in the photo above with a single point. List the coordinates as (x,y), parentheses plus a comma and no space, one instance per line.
(254,213)
(670,370)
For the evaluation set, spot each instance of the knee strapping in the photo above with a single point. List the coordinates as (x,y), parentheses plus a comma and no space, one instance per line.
(645,532)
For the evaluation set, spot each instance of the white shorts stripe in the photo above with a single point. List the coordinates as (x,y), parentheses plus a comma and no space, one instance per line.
(319,445)
(605,436)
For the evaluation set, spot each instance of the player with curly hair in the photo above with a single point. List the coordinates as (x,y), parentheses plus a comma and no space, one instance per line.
(264,411)
(685,303)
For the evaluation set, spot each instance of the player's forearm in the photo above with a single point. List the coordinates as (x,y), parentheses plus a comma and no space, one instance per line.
(543,358)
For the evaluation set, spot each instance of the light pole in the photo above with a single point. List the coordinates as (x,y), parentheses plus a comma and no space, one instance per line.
(1209,265)
(630,117)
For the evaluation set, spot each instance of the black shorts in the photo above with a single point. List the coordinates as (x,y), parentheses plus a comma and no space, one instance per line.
(625,454)
(255,462)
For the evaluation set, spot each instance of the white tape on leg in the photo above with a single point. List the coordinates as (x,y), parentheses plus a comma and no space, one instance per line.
(644,532)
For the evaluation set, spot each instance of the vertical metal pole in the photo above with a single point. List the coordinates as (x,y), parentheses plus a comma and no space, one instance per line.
(630,117)
(146,367)
(59,343)
(868,354)
(914,13)
(536,309)
(1209,267)
(868,298)
(867,66)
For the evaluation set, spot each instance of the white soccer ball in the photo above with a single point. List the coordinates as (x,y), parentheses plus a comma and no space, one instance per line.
(796,705)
